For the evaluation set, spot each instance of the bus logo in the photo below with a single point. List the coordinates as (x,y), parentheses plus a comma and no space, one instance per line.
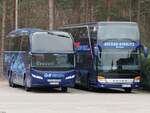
(47,75)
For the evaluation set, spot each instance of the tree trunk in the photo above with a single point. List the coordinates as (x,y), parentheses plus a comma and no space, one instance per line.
(134,8)
(3,32)
(51,14)
(76,9)
(108,3)
(16,14)
(87,6)
(139,11)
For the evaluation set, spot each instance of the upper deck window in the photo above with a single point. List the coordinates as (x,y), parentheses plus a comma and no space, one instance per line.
(118,31)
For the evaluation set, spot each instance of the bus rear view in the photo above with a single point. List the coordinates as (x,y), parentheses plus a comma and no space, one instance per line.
(118,58)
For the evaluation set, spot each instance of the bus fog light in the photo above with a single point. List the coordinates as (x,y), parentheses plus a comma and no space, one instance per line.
(38,77)
(101,79)
(70,77)
(137,79)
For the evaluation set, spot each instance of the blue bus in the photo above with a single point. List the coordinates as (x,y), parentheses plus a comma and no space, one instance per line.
(38,58)
(107,54)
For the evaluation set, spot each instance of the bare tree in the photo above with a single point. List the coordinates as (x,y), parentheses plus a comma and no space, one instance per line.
(16,13)
(51,14)
(3,32)
(108,3)
(139,11)
(76,9)
(87,6)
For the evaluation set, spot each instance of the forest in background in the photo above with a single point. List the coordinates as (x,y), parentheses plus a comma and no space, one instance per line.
(52,14)
(35,13)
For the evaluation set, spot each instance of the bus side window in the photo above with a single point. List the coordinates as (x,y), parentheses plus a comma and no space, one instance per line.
(15,44)
(24,44)
(7,44)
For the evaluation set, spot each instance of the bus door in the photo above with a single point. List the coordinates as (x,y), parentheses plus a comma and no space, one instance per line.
(83,67)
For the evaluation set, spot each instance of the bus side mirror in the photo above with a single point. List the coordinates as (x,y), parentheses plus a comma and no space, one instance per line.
(145,52)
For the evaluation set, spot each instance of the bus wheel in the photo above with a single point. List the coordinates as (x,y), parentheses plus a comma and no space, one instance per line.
(64,89)
(128,90)
(89,87)
(25,85)
(11,83)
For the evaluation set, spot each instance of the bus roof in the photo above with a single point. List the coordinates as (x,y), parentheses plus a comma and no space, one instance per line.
(25,31)
(97,23)
(117,22)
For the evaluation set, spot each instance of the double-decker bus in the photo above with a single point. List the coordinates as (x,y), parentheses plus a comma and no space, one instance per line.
(107,54)
(38,58)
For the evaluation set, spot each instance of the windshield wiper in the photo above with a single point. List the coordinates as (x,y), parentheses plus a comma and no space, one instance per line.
(58,35)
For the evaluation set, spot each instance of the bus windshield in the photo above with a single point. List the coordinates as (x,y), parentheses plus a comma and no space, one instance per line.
(118,60)
(53,60)
(118,31)
(50,43)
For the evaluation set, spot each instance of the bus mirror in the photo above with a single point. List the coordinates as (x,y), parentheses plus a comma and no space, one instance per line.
(96,50)
(145,52)
(94,29)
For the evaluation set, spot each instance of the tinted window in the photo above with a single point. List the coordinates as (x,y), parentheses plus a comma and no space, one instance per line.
(24,46)
(15,44)
(79,34)
(6,44)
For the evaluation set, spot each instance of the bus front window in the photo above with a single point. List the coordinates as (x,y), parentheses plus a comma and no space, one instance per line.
(53,60)
(118,60)
(118,31)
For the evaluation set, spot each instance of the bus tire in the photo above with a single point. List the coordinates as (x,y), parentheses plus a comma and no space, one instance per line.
(128,90)
(64,89)
(11,83)
(89,87)
(25,85)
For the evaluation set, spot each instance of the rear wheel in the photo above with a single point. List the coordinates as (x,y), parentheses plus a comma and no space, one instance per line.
(11,83)
(64,89)
(89,84)
(25,85)
(128,90)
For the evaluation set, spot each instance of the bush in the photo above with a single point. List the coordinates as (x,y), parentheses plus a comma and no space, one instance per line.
(145,71)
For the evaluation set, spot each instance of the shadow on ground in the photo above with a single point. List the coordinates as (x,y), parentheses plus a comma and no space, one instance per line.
(42,90)
(103,90)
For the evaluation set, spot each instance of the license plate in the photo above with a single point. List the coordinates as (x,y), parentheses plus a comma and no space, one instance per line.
(126,85)
(54,83)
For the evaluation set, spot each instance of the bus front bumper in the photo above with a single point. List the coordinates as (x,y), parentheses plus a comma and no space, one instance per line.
(132,85)
(54,83)
(52,79)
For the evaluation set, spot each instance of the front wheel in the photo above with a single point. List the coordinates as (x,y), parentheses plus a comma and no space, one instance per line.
(128,90)
(11,83)
(25,85)
(64,89)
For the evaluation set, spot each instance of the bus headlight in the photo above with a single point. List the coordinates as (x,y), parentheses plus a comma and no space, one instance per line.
(101,79)
(137,79)
(70,77)
(38,77)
